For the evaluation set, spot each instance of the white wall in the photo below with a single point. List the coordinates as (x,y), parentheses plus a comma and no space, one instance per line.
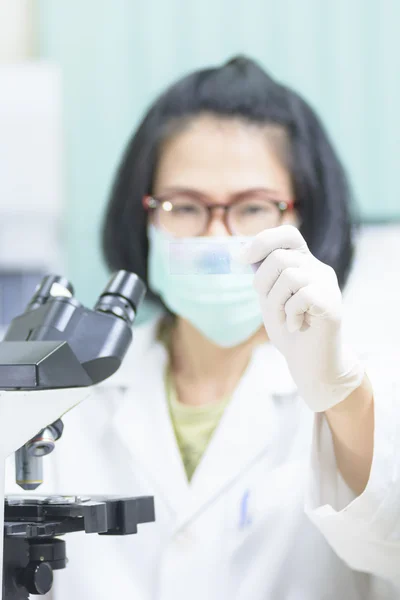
(16,30)
(372,298)
(31,181)
(31,171)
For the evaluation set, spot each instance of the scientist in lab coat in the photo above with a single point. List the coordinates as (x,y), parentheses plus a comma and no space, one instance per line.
(270,452)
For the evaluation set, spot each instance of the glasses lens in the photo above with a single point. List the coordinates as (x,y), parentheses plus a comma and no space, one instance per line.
(182,216)
(251,216)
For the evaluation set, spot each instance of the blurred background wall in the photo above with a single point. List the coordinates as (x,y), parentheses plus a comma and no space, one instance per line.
(116,55)
(113,56)
(32,155)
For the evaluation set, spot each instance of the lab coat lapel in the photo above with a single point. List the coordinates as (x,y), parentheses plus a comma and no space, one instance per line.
(247,432)
(143,423)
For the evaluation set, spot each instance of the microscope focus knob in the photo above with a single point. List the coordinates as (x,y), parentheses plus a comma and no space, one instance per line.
(38,578)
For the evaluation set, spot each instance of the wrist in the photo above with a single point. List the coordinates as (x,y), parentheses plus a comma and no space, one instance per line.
(360,399)
(341,382)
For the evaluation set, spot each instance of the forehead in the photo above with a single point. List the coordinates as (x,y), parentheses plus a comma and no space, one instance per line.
(220,156)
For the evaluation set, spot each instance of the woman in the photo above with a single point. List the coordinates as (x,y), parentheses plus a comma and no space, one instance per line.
(210,412)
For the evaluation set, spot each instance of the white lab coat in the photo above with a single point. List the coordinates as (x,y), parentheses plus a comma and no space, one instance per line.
(240,530)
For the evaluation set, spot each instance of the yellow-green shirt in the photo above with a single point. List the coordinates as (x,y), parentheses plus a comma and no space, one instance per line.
(193,425)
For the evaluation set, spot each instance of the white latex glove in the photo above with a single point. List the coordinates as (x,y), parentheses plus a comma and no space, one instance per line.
(301,305)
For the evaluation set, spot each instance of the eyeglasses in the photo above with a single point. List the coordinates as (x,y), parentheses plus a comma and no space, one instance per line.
(181,215)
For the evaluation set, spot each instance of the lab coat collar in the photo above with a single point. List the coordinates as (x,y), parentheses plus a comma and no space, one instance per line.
(246,432)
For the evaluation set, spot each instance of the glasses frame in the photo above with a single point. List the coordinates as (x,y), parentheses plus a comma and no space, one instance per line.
(151,203)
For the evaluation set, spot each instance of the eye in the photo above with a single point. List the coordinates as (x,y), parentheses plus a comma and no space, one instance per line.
(255,208)
(185,208)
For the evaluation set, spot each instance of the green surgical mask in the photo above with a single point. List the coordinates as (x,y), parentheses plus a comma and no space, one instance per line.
(194,278)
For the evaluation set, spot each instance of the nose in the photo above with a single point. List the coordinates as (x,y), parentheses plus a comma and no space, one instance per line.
(216,226)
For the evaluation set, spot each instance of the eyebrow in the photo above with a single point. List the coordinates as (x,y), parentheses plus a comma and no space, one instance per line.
(198,194)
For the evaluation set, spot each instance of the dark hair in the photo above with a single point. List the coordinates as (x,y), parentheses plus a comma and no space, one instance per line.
(239,88)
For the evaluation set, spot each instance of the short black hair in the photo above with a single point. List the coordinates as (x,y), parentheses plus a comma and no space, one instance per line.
(241,89)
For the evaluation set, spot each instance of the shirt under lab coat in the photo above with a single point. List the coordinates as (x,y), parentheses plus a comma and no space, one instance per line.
(266,516)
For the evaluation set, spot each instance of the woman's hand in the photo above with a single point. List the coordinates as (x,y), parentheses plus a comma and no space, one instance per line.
(301,305)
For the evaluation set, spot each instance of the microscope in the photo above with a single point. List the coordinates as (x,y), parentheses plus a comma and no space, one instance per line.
(50,357)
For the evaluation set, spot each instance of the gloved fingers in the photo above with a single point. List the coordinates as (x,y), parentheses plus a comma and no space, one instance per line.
(272,268)
(312,300)
(287,285)
(285,237)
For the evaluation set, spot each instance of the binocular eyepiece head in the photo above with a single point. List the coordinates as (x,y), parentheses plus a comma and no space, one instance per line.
(121,297)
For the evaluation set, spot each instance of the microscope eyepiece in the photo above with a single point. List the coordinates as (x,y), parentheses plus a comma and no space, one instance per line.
(52,285)
(122,296)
